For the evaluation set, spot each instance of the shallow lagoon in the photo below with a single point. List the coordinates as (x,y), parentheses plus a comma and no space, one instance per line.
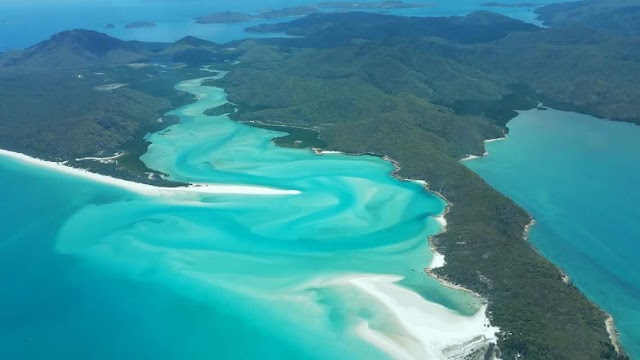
(327,251)
(579,177)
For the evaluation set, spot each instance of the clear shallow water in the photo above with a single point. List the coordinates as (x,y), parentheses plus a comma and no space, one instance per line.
(579,177)
(174,19)
(92,270)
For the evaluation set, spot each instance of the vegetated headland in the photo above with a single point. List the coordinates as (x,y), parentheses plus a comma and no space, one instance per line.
(425,92)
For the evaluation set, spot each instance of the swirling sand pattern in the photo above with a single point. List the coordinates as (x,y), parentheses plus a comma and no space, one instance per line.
(323,257)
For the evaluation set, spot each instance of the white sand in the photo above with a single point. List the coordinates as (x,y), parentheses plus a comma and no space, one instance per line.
(420,182)
(437,261)
(470,157)
(496,139)
(148,189)
(442,221)
(432,330)
(102,159)
(614,336)
(486,153)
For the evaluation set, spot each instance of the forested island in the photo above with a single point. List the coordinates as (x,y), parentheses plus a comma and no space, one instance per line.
(140,24)
(226,17)
(425,92)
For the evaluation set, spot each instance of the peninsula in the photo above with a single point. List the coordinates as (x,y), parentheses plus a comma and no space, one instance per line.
(423,92)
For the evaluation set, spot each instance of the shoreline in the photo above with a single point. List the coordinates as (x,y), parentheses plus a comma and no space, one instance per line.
(145,189)
(614,335)
(431,331)
(485,153)
(437,261)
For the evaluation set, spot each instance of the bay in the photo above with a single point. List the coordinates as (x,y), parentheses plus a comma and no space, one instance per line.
(578,176)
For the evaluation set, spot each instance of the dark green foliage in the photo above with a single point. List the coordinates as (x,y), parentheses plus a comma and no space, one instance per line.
(221,110)
(326,30)
(613,16)
(72,50)
(64,115)
(426,103)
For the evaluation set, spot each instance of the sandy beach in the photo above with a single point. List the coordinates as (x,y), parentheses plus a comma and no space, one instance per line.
(432,330)
(144,188)
(613,333)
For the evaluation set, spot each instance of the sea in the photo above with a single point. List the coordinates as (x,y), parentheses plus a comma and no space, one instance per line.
(24,23)
(296,267)
(278,253)
(578,176)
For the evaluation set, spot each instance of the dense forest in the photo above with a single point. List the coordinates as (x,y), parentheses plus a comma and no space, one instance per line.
(425,92)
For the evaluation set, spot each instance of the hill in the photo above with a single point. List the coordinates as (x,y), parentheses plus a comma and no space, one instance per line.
(424,92)
(340,28)
(426,99)
(75,49)
(621,17)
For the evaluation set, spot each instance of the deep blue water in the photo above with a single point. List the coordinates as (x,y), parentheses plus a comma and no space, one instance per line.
(579,178)
(25,23)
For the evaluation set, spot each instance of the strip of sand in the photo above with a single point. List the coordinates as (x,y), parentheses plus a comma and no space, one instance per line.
(144,188)
(432,331)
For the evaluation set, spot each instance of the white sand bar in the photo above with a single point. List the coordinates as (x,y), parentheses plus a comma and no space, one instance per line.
(144,188)
(432,330)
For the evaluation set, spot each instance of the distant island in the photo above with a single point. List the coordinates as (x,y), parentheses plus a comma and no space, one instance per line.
(424,91)
(227,17)
(140,24)
(507,5)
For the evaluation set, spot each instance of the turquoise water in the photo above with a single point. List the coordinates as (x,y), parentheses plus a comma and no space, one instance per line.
(579,178)
(173,18)
(101,271)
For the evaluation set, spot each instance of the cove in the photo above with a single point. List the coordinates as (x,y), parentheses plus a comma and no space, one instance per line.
(578,176)
(275,253)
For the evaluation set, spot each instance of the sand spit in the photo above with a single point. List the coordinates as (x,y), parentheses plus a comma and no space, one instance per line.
(197,189)
(439,332)
(431,330)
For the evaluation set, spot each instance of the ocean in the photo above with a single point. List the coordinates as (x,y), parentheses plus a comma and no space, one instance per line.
(279,253)
(578,176)
(26,23)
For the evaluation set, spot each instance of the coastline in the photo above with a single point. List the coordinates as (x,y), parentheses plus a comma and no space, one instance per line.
(485,153)
(145,189)
(432,330)
(614,335)
(437,261)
